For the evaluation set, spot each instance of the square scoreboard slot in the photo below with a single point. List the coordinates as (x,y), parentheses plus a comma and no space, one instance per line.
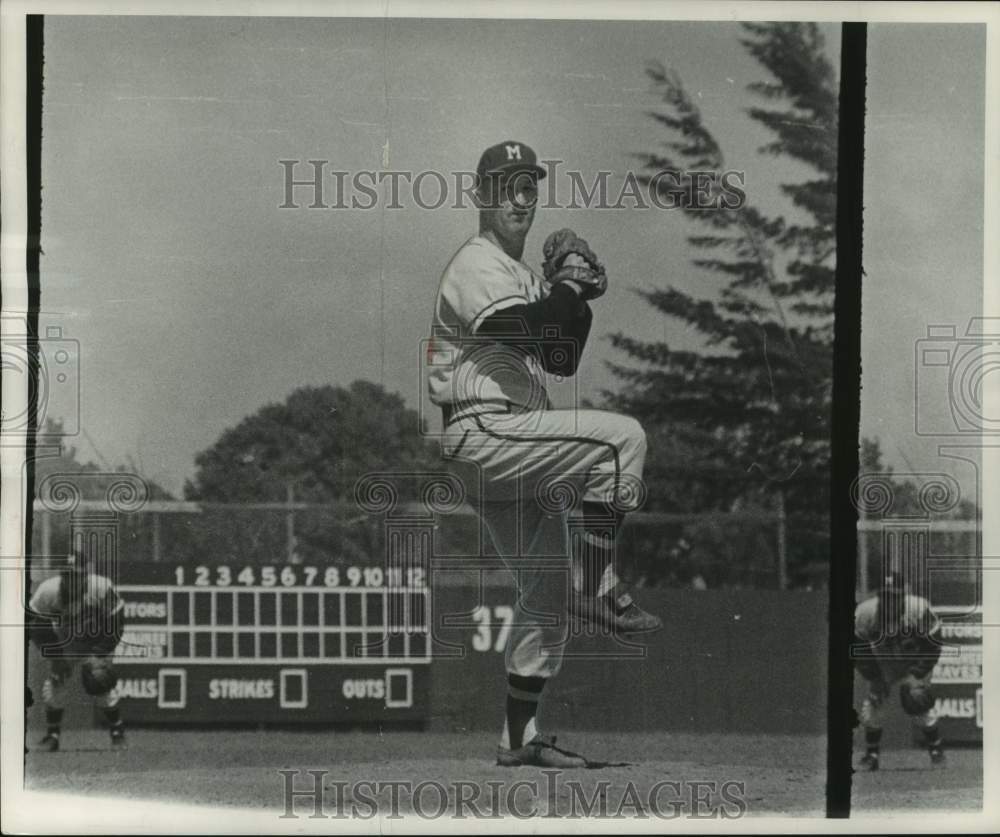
(171,690)
(294,688)
(399,688)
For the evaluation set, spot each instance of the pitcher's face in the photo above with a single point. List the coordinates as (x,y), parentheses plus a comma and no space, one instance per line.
(508,204)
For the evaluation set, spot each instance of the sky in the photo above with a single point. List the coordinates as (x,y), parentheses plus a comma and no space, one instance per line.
(196,300)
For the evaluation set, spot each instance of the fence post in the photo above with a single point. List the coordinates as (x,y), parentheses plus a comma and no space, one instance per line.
(782,543)
(290,525)
(156,536)
(862,553)
(46,534)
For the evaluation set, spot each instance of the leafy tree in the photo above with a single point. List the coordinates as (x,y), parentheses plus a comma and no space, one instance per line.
(871,459)
(319,442)
(749,414)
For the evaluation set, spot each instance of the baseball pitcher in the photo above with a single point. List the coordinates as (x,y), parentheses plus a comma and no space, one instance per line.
(899,632)
(77,617)
(499,329)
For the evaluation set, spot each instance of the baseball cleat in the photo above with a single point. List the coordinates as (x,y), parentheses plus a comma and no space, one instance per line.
(615,611)
(937,757)
(50,742)
(869,762)
(118,736)
(541,751)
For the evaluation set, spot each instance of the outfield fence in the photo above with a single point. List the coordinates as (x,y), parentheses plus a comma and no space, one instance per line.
(717,550)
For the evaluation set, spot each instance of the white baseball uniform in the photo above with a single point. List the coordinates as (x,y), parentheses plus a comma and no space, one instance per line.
(893,648)
(516,455)
(99,597)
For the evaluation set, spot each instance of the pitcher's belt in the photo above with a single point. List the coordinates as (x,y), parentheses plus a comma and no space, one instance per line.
(451,413)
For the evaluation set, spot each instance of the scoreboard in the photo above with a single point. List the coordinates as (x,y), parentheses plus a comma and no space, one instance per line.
(958,674)
(209,643)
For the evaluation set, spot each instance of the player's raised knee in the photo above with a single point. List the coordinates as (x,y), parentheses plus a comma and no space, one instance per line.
(634,434)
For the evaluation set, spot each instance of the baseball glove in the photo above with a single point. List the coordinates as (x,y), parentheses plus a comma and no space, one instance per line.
(569,257)
(98,675)
(916,696)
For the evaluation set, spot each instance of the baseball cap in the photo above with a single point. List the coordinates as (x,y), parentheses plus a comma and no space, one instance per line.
(509,157)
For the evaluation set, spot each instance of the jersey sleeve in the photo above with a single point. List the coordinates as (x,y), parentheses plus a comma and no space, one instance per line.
(928,623)
(106,597)
(117,604)
(864,622)
(45,600)
(926,644)
(552,323)
(478,284)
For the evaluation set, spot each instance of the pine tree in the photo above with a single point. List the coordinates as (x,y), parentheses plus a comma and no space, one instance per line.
(747,418)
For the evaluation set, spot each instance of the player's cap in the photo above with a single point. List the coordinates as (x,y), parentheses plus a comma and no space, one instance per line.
(509,157)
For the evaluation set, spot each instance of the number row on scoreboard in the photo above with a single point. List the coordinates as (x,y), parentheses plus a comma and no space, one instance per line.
(223,575)
(326,646)
(297,609)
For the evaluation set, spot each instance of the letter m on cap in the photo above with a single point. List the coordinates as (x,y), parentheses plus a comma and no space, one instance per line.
(513,152)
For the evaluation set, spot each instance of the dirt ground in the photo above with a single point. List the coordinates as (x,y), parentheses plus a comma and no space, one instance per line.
(766,775)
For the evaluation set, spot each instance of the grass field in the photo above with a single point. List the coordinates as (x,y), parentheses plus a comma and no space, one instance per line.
(781,775)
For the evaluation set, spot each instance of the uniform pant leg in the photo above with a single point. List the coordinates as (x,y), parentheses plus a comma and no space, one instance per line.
(871,713)
(522,455)
(54,687)
(511,465)
(534,545)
